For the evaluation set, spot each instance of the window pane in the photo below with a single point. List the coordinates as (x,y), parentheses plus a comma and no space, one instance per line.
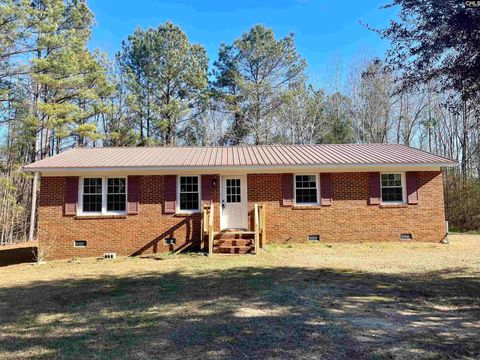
(306,195)
(92,195)
(92,185)
(392,188)
(233,191)
(392,194)
(116,194)
(116,202)
(189,198)
(189,201)
(116,186)
(306,189)
(92,203)
(391,180)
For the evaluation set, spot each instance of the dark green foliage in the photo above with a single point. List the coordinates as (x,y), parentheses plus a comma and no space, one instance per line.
(252,77)
(166,78)
(436,40)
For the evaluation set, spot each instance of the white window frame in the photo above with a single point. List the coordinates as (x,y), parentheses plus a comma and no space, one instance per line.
(104,211)
(317,181)
(404,188)
(177,206)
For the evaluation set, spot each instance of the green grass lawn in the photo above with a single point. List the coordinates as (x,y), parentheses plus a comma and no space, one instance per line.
(334,301)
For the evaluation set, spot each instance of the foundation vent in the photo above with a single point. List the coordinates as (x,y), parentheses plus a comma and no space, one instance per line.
(80,243)
(170,241)
(313,237)
(406,237)
(110,255)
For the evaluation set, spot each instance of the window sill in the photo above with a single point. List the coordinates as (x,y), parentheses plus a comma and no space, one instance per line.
(307,207)
(393,205)
(186,214)
(103,216)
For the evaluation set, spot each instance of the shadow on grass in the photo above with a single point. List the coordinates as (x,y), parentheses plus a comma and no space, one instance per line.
(251,313)
(20,255)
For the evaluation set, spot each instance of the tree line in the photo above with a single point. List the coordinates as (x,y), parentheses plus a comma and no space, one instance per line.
(159,89)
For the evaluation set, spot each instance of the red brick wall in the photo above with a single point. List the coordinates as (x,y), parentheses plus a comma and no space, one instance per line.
(126,235)
(350,218)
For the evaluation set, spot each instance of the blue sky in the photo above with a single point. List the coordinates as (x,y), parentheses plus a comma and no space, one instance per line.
(324,30)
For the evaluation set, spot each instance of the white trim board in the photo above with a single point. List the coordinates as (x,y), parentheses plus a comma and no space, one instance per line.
(104,211)
(177,204)
(317,182)
(234,170)
(403,179)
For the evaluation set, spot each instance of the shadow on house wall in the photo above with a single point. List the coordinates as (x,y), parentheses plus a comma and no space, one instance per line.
(188,228)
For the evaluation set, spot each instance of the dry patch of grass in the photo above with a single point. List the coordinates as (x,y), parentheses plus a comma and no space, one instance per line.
(351,301)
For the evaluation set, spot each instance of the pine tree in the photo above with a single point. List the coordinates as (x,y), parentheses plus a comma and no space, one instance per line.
(63,83)
(252,76)
(167,80)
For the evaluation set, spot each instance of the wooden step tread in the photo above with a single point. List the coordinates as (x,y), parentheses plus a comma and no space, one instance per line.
(235,232)
(233,242)
(229,236)
(232,246)
(232,249)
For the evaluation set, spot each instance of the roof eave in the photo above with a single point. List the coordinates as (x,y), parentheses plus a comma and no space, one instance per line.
(214,169)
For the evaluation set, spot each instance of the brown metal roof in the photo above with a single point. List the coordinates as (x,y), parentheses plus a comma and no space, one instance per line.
(239,156)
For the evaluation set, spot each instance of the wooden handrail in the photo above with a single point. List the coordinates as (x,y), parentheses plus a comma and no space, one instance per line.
(260,223)
(204,225)
(207,227)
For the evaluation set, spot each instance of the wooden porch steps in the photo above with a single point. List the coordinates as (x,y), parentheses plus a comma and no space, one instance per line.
(225,249)
(234,242)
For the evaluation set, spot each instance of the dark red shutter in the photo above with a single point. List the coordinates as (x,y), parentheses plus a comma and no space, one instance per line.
(71,195)
(326,189)
(133,194)
(375,195)
(170,194)
(412,188)
(207,185)
(287,189)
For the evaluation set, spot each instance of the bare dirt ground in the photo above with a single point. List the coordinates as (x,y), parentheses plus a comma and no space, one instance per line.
(331,301)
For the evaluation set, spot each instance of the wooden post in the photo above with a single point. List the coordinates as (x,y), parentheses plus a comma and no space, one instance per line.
(257,229)
(202,228)
(264,225)
(202,246)
(210,230)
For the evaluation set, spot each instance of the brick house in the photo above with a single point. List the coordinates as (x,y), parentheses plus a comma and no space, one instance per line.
(131,201)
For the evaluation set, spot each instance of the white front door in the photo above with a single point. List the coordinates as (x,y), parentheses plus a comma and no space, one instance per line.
(234,202)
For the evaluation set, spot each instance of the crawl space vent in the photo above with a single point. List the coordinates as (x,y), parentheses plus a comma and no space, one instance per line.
(313,237)
(110,255)
(80,243)
(170,241)
(405,236)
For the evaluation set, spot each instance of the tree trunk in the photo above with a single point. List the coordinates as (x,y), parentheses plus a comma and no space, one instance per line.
(464,140)
(33,209)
